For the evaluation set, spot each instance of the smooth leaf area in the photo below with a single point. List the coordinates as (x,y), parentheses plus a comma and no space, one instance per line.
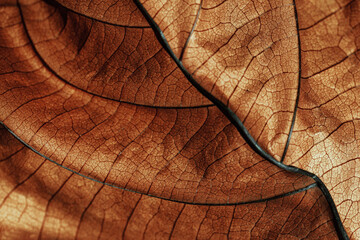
(196,119)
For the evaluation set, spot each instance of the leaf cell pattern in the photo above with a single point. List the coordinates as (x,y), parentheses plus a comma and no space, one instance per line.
(179,119)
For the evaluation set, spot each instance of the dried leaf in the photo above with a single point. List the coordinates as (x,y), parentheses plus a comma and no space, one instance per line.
(179,119)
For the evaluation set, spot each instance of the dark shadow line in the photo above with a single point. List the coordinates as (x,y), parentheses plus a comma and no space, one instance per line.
(234,119)
(222,107)
(94,94)
(150,195)
(191,32)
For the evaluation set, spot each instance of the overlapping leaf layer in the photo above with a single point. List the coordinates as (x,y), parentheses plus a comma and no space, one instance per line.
(179,119)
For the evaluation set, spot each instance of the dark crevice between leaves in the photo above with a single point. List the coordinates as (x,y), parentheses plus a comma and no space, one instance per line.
(150,195)
(234,119)
(46,65)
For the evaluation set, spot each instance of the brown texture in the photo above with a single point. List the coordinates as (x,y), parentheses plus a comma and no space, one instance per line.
(326,138)
(180,154)
(95,92)
(246,55)
(42,200)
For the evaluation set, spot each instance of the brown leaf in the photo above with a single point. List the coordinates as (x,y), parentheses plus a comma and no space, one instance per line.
(326,138)
(186,154)
(69,206)
(144,112)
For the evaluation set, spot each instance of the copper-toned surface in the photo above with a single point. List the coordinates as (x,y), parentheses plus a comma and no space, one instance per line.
(129,118)
(326,137)
(41,200)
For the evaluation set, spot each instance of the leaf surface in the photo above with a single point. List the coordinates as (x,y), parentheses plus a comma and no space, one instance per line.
(183,117)
(326,137)
(68,206)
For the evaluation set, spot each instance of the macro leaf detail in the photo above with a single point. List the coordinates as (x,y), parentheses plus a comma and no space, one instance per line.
(179,119)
